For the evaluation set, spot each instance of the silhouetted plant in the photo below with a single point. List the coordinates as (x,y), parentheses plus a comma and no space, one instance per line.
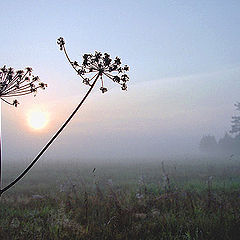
(98,65)
(15,84)
(94,67)
(18,83)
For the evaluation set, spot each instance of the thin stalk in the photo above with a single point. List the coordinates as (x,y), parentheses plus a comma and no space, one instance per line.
(0,145)
(50,141)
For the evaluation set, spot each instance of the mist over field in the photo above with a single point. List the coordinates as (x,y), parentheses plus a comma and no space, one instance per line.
(184,77)
(151,120)
(158,161)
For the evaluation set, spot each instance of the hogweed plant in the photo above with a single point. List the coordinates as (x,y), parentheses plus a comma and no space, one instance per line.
(97,66)
(14,84)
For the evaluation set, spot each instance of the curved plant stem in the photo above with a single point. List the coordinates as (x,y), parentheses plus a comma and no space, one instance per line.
(0,144)
(50,141)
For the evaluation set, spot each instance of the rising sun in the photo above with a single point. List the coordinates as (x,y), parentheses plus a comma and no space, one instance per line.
(37,119)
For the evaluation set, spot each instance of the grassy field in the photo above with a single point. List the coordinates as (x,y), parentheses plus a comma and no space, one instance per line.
(177,199)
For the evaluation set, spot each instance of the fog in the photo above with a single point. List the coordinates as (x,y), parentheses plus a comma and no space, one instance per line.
(153,119)
(184,77)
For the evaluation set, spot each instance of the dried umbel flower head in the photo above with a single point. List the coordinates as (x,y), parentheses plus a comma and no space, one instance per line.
(94,67)
(99,65)
(18,83)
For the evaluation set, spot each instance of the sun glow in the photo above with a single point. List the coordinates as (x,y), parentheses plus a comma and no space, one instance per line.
(37,119)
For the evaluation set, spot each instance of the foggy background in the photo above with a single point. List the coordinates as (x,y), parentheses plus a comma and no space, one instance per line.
(184,76)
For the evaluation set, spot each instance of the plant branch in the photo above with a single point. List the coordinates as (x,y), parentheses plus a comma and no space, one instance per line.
(50,141)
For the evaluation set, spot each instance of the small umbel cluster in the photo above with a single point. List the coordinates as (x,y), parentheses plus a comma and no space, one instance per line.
(18,83)
(101,65)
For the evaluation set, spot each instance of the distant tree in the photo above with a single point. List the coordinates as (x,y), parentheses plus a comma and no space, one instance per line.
(208,144)
(227,144)
(236,121)
(237,144)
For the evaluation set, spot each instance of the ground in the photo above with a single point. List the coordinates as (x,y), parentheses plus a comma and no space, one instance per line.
(195,198)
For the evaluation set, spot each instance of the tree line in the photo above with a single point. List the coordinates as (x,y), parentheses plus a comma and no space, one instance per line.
(229,143)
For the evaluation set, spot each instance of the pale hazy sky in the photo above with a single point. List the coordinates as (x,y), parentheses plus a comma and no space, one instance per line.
(184,58)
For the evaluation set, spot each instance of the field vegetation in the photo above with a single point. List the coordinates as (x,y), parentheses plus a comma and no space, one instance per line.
(195,198)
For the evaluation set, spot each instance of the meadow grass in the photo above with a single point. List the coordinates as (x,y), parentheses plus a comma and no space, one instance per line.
(191,199)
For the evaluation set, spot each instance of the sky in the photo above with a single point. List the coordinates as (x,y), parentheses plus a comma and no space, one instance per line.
(184,59)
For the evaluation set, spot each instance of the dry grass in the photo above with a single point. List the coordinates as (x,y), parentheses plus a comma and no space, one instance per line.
(126,201)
